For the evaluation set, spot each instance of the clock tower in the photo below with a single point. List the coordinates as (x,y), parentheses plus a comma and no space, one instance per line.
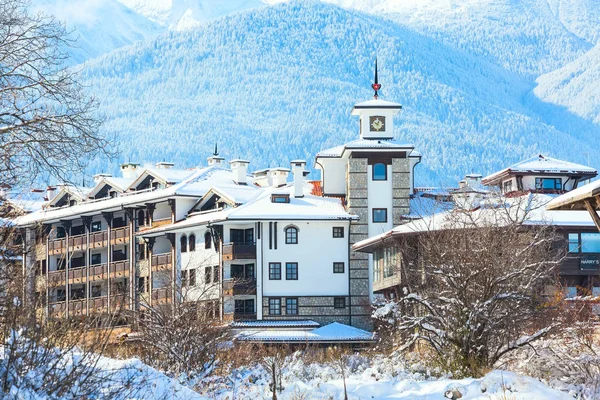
(376,116)
(374,177)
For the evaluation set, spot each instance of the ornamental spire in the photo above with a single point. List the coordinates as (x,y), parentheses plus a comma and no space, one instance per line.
(216,152)
(376,86)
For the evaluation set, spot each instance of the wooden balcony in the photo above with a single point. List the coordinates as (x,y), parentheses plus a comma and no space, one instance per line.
(99,239)
(161,262)
(235,251)
(77,275)
(119,269)
(56,278)
(77,243)
(234,287)
(161,296)
(119,235)
(160,222)
(58,308)
(98,272)
(57,246)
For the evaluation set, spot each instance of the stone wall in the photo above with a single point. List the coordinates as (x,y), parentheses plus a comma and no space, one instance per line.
(316,308)
(360,304)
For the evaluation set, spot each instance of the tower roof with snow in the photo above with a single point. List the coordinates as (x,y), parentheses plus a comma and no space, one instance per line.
(541,165)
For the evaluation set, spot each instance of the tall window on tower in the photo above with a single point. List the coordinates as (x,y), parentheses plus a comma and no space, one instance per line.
(379,172)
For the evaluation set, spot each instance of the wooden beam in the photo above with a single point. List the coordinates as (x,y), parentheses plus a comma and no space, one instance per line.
(592,210)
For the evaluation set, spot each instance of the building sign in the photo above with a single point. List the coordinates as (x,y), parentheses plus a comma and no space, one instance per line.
(589,261)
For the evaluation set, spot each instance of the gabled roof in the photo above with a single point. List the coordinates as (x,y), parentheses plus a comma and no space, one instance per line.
(332,333)
(232,194)
(544,165)
(79,193)
(163,175)
(533,203)
(370,144)
(118,184)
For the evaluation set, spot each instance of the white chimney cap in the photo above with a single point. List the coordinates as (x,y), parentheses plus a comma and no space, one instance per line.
(298,162)
(164,165)
(239,161)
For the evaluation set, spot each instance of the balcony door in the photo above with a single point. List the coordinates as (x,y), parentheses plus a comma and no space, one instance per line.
(242,236)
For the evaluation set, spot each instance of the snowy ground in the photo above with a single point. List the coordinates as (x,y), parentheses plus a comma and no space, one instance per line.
(381,378)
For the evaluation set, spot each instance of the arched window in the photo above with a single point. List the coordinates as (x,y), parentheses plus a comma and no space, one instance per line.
(379,172)
(192,241)
(183,242)
(141,218)
(291,235)
(207,240)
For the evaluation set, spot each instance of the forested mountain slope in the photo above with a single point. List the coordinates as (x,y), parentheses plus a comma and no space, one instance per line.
(278,83)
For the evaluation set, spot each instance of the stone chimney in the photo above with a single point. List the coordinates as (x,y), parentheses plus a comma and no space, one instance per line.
(215,160)
(298,171)
(99,177)
(277,176)
(240,171)
(130,170)
(164,165)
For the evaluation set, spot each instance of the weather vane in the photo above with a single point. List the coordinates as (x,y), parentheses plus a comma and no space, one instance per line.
(376,86)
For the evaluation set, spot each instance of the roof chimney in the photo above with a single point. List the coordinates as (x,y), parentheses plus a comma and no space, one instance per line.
(298,171)
(277,176)
(215,160)
(164,165)
(50,192)
(100,176)
(240,171)
(130,170)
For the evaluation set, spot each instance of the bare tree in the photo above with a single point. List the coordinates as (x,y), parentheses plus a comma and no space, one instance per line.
(473,284)
(272,359)
(48,124)
(184,336)
(339,358)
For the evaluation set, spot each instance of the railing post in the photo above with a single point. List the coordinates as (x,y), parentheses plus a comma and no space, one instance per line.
(130,213)
(87,222)
(108,217)
(150,244)
(67,227)
(171,237)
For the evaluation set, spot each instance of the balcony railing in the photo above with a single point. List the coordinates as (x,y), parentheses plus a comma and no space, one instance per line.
(57,246)
(99,239)
(162,295)
(161,261)
(234,287)
(58,308)
(161,222)
(56,277)
(77,274)
(236,251)
(77,243)
(119,268)
(119,235)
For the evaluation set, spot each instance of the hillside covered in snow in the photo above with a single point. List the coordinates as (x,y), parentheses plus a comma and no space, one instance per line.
(277,83)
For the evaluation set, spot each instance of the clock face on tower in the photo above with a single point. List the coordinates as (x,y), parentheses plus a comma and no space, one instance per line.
(377,123)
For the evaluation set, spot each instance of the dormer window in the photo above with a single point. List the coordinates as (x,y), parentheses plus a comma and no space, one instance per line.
(280,198)
(548,183)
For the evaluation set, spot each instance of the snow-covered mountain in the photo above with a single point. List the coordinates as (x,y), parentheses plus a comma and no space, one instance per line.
(99,26)
(187,14)
(277,83)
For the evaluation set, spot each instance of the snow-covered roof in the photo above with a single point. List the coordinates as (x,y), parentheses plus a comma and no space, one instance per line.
(574,199)
(531,207)
(541,164)
(334,332)
(275,324)
(338,151)
(197,184)
(309,207)
(376,103)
